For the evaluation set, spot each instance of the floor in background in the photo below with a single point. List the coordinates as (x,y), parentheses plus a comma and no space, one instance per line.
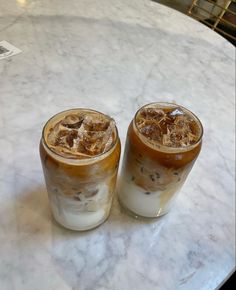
(184,5)
(229,284)
(181,5)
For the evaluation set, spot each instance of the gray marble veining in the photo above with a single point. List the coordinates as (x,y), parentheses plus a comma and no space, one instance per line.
(114,56)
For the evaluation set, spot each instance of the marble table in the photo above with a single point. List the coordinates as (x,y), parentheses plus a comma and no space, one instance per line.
(114,56)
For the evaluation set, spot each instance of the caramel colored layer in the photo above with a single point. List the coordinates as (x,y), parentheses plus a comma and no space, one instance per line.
(83,173)
(169,160)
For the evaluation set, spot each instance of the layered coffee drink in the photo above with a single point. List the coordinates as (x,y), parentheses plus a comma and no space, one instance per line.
(80,151)
(163,142)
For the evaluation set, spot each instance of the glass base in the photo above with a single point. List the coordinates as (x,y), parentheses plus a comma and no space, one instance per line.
(138,216)
(80,229)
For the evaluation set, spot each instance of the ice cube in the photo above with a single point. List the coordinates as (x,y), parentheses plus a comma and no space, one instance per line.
(73,121)
(96,123)
(182,122)
(52,135)
(92,142)
(176,112)
(151,130)
(71,135)
(166,140)
(179,134)
(53,132)
(151,113)
(61,138)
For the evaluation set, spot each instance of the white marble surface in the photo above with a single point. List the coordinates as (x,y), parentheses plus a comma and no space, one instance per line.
(113,56)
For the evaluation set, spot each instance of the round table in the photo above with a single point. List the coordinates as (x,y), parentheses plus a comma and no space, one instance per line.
(114,56)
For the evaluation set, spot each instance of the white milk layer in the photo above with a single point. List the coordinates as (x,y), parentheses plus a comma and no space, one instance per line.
(81,214)
(81,220)
(134,198)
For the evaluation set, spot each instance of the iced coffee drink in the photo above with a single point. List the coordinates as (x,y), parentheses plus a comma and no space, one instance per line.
(163,142)
(80,151)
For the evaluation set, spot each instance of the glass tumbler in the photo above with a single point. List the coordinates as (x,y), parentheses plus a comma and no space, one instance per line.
(80,190)
(163,142)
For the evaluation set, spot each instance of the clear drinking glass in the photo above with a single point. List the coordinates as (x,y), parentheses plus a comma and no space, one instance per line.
(80,157)
(163,142)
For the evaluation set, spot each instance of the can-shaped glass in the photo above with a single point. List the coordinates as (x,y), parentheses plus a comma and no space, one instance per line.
(163,142)
(80,157)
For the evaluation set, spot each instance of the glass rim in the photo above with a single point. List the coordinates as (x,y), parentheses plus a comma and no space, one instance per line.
(77,160)
(165,148)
